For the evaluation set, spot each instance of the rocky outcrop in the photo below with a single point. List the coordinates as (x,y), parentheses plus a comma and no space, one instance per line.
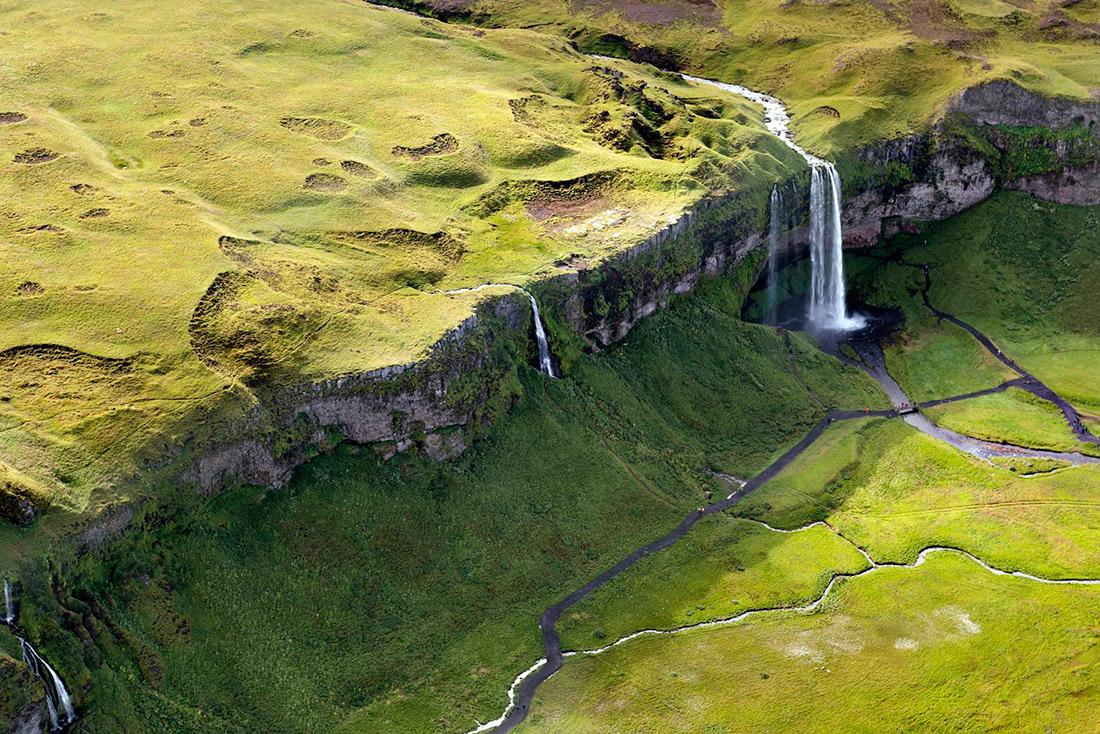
(996,135)
(1002,102)
(394,408)
(1080,185)
(604,303)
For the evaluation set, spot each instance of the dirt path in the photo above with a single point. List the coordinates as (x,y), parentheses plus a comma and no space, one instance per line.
(1027,381)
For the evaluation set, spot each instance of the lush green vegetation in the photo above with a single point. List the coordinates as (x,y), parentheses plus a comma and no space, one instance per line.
(931,360)
(893,491)
(949,630)
(1015,417)
(851,72)
(1022,271)
(412,589)
(723,567)
(944,647)
(205,200)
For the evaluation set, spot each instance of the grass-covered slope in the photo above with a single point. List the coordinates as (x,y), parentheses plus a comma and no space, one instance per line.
(201,199)
(944,647)
(402,597)
(893,491)
(1025,273)
(853,71)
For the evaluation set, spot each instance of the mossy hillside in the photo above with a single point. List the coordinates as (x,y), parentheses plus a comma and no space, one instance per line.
(985,652)
(1022,271)
(235,197)
(852,73)
(411,589)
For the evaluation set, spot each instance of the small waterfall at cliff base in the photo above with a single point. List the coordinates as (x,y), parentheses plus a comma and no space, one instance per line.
(827,309)
(59,704)
(546,363)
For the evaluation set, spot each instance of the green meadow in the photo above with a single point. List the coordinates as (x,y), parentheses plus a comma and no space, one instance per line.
(850,72)
(205,202)
(404,596)
(944,647)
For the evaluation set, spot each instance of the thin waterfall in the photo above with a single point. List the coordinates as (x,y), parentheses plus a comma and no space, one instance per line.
(9,607)
(775,229)
(546,364)
(59,704)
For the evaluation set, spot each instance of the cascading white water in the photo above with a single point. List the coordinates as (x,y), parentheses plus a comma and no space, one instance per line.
(775,229)
(827,293)
(546,364)
(9,608)
(827,307)
(58,702)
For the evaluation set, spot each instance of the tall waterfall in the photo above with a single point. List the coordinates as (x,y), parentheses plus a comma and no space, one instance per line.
(546,364)
(827,297)
(827,308)
(9,607)
(58,702)
(775,230)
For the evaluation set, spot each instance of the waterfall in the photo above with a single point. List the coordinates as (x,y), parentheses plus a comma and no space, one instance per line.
(546,364)
(775,229)
(827,308)
(58,702)
(827,293)
(9,608)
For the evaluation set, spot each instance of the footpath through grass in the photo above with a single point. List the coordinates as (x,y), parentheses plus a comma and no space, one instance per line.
(946,646)
(404,596)
(893,491)
(1025,273)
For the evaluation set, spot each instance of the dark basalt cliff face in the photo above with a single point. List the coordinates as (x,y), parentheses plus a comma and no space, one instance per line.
(996,135)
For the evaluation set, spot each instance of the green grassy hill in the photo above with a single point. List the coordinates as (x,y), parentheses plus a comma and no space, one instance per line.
(851,71)
(205,200)
(404,596)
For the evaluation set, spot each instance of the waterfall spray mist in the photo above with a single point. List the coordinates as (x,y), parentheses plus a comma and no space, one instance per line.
(827,309)
(775,229)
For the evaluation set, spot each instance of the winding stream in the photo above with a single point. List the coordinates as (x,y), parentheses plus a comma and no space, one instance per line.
(522,691)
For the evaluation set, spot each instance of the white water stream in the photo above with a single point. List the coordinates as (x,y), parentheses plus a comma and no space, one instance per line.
(775,231)
(9,608)
(59,704)
(827,310)
(546,361)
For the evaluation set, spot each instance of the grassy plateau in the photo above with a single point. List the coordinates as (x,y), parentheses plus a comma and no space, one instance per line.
(204,201)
